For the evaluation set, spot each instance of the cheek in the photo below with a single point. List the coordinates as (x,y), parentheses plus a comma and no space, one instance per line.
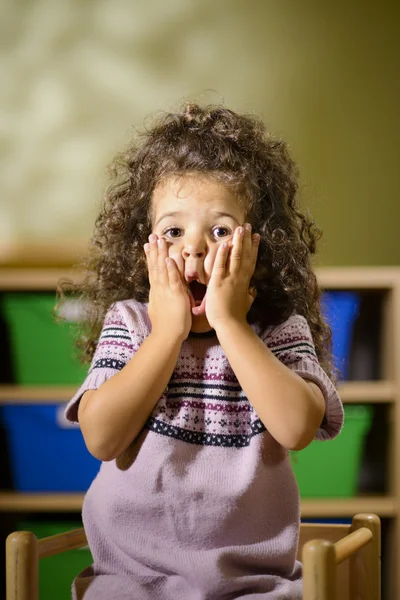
(175,253)
(209,260)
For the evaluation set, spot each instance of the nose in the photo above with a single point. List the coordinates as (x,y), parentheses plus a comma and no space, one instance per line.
(194,248)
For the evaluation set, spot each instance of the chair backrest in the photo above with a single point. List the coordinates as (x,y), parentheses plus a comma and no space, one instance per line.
(333,533)
(342,561)
(358,577)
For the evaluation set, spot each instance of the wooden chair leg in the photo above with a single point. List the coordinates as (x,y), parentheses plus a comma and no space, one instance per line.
(319,570)
(365,566)
(22,566)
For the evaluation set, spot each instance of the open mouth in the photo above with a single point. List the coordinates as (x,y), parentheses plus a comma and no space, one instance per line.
(198,292)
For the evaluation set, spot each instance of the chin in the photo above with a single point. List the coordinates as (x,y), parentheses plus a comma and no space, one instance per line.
(200,324)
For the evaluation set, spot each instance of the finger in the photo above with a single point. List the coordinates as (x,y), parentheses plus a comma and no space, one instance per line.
(235,256)
(174,276)
(212,262)
(178,260)
(247,244)
(146,248)
(162,273)
(152,255)
(220,262)
(255,244)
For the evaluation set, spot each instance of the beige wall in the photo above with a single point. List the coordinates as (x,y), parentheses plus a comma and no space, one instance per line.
(77,76)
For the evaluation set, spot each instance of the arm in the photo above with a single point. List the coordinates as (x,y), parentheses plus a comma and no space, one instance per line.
(290,407)
(113,415)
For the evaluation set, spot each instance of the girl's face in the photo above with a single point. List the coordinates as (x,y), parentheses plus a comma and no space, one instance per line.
(194,215)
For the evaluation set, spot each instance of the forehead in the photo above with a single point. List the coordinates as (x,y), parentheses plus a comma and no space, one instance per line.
(195,193)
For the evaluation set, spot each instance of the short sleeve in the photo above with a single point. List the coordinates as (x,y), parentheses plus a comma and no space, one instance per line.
(124,329)
(292,343)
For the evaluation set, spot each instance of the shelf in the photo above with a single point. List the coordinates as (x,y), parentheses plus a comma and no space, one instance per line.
(48,253)
(358,277)
(40,502)
(318,507)
(18,394)
(39,264)
(374,392)
(35,279)
(351,392)
(383,506)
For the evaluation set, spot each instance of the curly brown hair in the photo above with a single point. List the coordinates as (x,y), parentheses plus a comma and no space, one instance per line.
(238,150)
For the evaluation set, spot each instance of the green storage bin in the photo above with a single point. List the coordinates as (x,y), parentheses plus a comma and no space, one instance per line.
(56,573)
(331,468)
(42,349)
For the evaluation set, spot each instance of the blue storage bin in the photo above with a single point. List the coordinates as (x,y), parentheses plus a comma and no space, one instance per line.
(340,309)
(339,521)
(47,452)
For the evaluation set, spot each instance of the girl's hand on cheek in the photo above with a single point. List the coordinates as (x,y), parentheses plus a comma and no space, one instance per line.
(169,304)
(228,295)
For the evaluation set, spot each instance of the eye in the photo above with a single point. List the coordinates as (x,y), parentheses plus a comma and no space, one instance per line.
(173,232)
(220,232)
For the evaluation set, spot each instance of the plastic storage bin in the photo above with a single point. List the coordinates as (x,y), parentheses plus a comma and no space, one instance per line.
(42,349)
(47,453)
(331,468)
(340,309)
(56,573)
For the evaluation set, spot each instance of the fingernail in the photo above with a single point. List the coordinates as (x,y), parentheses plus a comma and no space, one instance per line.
(159,243)
(152,237)
(247,226)
(146,247)
(256,237)
(240,230)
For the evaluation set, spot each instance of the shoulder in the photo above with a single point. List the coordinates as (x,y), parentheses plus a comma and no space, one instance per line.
(130,314)
(291,339)
(295,328)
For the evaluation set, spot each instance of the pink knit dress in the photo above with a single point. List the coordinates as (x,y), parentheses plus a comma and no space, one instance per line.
(203,505)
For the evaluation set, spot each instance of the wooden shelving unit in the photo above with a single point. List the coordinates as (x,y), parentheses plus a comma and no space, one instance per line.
(386,281)
(374,392)
(385,506)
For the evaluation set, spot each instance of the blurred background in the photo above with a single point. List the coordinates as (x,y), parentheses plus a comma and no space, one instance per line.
(77,79)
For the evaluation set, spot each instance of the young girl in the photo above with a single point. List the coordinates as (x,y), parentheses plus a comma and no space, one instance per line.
(209,362)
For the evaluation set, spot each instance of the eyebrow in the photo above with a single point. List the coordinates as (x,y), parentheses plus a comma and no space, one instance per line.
(217,214)
(170,214)
(225,214)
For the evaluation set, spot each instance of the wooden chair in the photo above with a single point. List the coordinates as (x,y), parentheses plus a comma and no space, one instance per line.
(323,549)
